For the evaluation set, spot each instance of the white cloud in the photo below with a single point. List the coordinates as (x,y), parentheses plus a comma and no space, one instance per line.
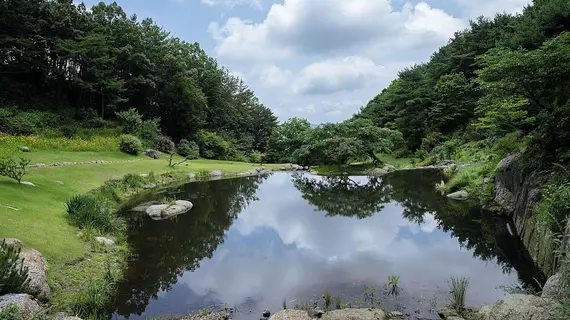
(232,3)
(274,76)
(334,75)
(322,27)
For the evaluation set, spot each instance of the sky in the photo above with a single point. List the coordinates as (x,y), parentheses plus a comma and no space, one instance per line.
(317,59)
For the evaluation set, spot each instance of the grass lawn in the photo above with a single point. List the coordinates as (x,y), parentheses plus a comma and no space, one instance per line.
(363,168)
(41,221)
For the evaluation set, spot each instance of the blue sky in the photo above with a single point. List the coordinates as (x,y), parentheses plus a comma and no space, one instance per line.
(317,59)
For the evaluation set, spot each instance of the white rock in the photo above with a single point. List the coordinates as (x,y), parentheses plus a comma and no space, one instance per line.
(27,183)
(27,306)
(216,173)
(105,241)
(459,195)
(165,211)
(37,266)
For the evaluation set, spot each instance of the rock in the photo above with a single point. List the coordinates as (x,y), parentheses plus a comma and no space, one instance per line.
(143,206)
(216,173)
(459,195)
(151,153)
(395,314)
(355,314)
(522,307)
(305,168)
(28,308)
(508,175)
(389,168)
(27,183)
(37,266)
(144,175)
(313,172)
(165,211)
(445,163)
(291,314)
(105,241)
(447,312)
(316,313)
(191,176)
(63,316)
(13,242)
(378,172)
(554,287)
(25,149)
(266,313)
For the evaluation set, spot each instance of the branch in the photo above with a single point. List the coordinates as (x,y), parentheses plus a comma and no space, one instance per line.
(179,162)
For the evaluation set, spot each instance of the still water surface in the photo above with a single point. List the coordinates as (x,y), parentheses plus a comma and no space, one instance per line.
(252,242)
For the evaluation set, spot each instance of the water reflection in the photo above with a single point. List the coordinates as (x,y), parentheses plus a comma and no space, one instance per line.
(300,238)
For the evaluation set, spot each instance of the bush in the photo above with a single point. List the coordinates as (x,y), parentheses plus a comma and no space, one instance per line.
(13,273)
(10,313)
(164,144)
(188,149)
(96,123)
(68,131)
(88,212)
(257,157)
(130,144)
(93,302)
(16,122)
(130,120)
(150,130)
(554,207)
(213,146)
(9,168)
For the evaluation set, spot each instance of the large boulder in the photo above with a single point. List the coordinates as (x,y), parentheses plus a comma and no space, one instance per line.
(461,195)
(508,176)
(37,266)
(522,307)
(166,211)
(378,172)
(216,173)
(151,153)
(556,286)
(13,242)
(344,314)
(27,306)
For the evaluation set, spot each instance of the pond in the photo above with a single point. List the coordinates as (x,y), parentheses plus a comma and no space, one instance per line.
(250,243)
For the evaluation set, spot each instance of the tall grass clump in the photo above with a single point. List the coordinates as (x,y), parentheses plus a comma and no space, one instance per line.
(458,291)
(440,187)
(88,212)
(370,295)
(13,273)
(554,207)
(392,287)
(93,301)
(327,297)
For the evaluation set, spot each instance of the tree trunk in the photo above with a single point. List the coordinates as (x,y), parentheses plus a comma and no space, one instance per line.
(375,158)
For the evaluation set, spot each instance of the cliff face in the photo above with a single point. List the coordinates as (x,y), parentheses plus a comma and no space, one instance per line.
(517,193)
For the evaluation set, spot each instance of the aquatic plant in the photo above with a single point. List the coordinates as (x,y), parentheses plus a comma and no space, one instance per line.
(358,304)
(327,297)
(284,303)
(458,292)
(370,295)
(440,187)
(338,302)
(392,286)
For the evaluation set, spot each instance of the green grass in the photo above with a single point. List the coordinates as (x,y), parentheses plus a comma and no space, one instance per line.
(42,222)
(366,167)
(458,292)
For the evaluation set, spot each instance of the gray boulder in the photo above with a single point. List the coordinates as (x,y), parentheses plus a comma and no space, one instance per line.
(316,313)
(151,153)
(522,307)
(37,266)
(191,176)
(63,316)
(165,211)
(459,195)
(27,306)
(25,149)
(508,176)
(216,173)
(27,183)
(291,314)
(378,172)
(105,241)
(13,242)
(555,287)
(355,314)
(389,168)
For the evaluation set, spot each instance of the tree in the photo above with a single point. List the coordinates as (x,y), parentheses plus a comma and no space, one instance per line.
(286,138)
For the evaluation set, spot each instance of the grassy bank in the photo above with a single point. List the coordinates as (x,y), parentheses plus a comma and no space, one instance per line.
(41,221)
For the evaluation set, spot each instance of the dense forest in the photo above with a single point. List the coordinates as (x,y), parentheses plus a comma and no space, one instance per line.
(68,63)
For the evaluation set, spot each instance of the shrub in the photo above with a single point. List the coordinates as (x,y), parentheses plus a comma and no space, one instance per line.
(88,212)
(130,120)
(68,131)
(9,168)
(13,273)
(130,144)
(132,181)
(96,123)
(188,149)
(213,146)
(164,144)
(150,130)
(257,157)
(93,302)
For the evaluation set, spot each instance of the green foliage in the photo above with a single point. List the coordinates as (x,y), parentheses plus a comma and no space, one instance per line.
(130,144)
(213,146)
(69,131)
(164,144)
(392,287)
(130,120)
(458,292)
(93,302)
(18,122)
(284,304)
(188,149)
(86,211)
(13,273)
(504,116)
(554,206)
(370,295)
(12,169)
(469,178)
(150,130)
(288,137)
(10,313)
(257,157)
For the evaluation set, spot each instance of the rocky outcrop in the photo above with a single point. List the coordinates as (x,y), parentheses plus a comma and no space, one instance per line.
(517,193)
(344,314)
(167,211)
(461,195)
(294,167)
(37,267)
(555,287)
(522,307)
(27,306)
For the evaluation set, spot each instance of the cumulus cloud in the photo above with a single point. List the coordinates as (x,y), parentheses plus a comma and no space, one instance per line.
(274,76)
(232,3)
(334,75)
(322,27)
